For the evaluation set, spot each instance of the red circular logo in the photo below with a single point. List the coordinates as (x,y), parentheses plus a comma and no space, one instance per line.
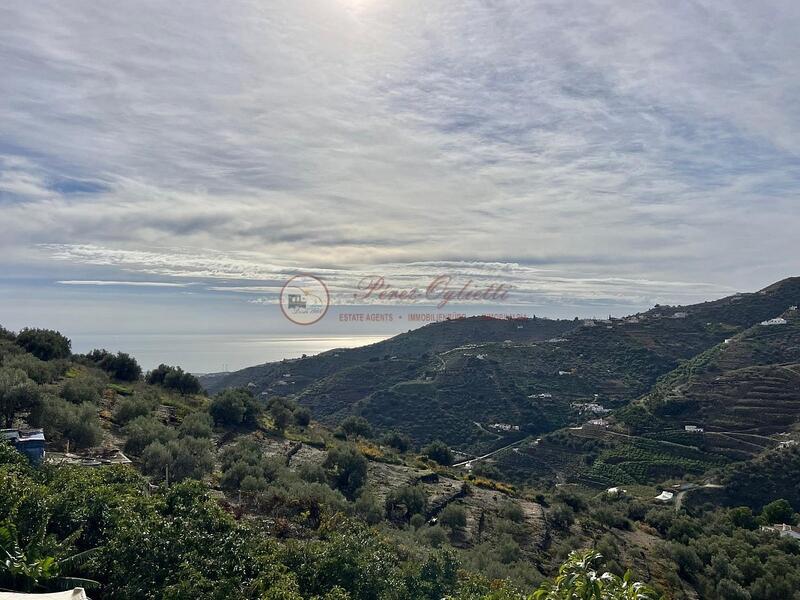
(304,299)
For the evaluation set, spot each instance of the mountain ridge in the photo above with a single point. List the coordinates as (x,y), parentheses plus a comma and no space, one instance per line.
(454,380)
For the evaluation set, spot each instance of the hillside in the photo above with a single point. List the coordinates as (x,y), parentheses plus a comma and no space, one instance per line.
(455,380)
(243,495)
(742,393)
(293,376)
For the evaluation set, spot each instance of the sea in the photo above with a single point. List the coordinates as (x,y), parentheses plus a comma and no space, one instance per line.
(214,353)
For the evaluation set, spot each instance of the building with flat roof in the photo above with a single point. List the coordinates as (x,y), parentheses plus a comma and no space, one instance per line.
(28,441)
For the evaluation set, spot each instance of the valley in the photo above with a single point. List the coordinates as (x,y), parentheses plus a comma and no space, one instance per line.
(484,447)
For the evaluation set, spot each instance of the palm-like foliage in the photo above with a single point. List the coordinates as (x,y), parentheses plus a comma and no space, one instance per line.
(34,567)
(578,580)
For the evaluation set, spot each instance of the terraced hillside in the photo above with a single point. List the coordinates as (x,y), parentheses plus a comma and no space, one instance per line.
(743,393)
(481,385)
(292,376)
(740,392)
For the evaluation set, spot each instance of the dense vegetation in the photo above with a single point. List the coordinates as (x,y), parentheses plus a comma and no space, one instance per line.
(242,494)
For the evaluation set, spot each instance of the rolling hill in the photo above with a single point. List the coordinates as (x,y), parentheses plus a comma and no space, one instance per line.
(455,380)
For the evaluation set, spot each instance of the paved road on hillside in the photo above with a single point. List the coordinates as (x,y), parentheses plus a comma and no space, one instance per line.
(681,494)
(492,453)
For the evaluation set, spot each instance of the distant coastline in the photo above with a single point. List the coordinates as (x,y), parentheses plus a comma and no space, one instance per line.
(212,353)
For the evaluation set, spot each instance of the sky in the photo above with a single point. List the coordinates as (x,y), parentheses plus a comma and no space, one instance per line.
(165,167)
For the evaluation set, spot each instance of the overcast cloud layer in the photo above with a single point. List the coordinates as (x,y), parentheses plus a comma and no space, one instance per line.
(594,151)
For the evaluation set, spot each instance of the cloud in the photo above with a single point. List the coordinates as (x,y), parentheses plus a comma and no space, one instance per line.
(626,148)
(123,283)
(253,274)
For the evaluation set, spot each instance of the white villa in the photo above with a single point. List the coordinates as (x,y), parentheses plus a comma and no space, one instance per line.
(775,321)
(783,530)
(504,427)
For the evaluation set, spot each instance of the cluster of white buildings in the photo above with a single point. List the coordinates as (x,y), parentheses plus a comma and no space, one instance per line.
(775,321)
(590,407)
(783,530)
(504,427)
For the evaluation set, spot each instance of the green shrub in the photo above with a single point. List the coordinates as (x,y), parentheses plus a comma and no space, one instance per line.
(417,521)
(196,424)
(406,501)
(574,501)
(508,549)
(356,427)
(561,516)
(121,366)
(234,408)
(302,416)
(17,393)
(38,370)
(44,344)
(347,469)
(143,431)
(82,389)
(742,516)
(191,458)
(281,416)
(67,422)
(436,536)
(245,459)
(174,378)
(128,409)
(778,511)
(312,472)
(438,452)
(369,508)
(453,517)
(399,441)
(611,518)
(156,460)
(512,511)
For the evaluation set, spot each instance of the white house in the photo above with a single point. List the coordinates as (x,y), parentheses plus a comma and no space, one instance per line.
(783,530)
(680,315)
(504,427)
(693,429)
(665,496)
(592,407)
(775,321)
